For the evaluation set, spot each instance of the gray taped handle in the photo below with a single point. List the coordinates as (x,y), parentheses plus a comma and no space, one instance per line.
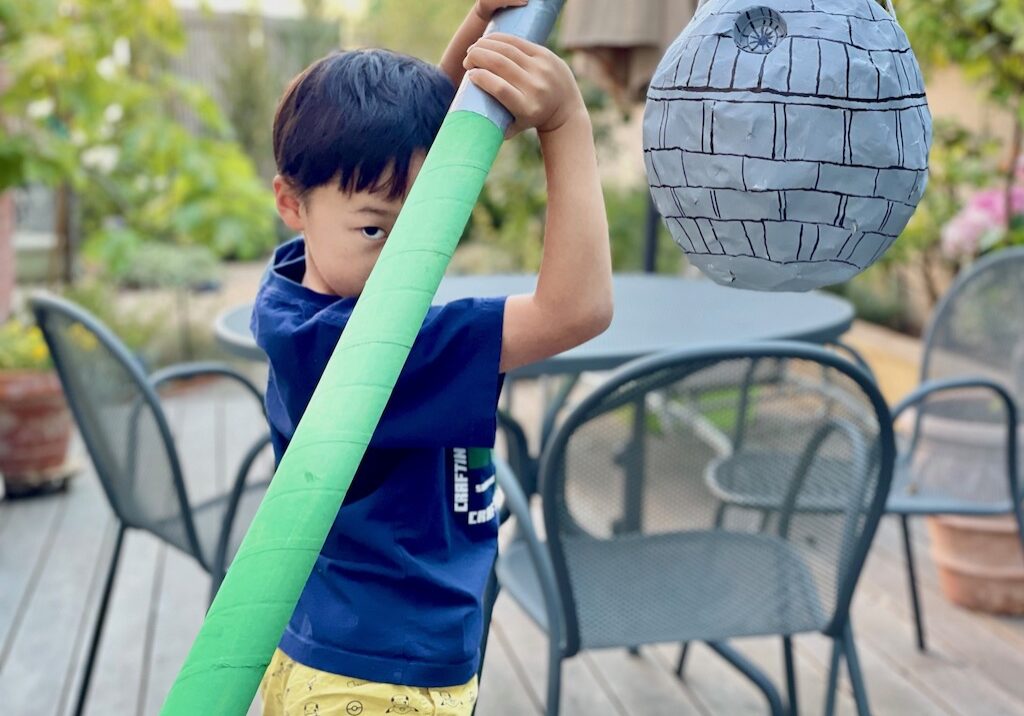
(532,22)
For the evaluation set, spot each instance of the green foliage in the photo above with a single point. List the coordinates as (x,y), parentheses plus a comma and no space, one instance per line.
(90,103)
(155,265)
(627,228)
(983,37)
(159,333)
(422,28)
(22,347)
(250,83)
(511,210)
(135,330)
(250,91)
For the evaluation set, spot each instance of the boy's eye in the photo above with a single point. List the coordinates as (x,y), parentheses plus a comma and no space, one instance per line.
(374,233)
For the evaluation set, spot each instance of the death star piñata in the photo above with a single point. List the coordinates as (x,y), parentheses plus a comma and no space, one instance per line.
(786,144)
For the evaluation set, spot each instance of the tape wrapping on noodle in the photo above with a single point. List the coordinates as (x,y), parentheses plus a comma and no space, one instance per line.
(245,622)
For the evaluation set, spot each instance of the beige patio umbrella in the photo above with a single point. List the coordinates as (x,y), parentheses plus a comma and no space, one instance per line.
(619,43)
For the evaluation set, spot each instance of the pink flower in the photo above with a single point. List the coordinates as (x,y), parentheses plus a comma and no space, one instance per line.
(962,236)
(991,203)
(982,222)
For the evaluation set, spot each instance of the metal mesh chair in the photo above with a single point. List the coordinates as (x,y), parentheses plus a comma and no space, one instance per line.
(960,456)
(637,552)
(126,432)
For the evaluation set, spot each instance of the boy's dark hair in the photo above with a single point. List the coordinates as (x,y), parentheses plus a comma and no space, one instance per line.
(353,116)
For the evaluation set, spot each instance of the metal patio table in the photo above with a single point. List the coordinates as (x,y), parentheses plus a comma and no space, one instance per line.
(652,314)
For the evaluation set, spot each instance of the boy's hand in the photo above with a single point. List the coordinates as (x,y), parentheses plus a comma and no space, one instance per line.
(531,81)
(485,9)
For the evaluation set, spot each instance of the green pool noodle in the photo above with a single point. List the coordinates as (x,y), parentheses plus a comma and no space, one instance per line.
(244,624)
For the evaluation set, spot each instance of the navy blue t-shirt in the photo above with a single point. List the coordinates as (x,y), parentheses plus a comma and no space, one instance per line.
(396,593)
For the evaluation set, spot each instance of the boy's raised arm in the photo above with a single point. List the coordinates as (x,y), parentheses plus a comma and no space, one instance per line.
(471,30)
(573,299)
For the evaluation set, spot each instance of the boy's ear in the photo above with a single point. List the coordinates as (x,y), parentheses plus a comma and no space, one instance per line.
(289,205)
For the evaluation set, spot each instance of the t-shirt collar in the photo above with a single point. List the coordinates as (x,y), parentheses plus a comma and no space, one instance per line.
(286,271)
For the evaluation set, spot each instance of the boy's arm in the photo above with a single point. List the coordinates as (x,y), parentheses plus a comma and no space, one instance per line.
(471,30)
(573,299)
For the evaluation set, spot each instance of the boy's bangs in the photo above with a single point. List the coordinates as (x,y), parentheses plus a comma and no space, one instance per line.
(359,118)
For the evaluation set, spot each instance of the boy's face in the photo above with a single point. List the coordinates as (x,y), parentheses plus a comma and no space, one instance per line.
(344,231)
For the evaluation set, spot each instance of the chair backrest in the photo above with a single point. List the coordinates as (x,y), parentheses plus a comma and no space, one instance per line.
(978,327)
(121,421)
(959,439)
(636,461)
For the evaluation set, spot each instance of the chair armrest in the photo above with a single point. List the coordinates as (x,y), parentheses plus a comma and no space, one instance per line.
(231,509)
(933,387)
(183,371)
(519,505)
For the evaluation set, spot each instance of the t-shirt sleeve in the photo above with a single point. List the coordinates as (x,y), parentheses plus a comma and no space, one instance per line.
(447,394)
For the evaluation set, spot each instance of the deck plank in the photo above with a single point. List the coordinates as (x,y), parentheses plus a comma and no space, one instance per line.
(178,616)
(30,527)
(641,684)
(54,550)
(45,643)
(120,672)
(503,687)
(582,693)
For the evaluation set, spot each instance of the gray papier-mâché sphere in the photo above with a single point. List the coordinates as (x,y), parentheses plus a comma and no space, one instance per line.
(786,143)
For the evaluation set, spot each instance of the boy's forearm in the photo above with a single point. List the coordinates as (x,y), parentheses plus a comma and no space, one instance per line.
(471,30)
(576,268)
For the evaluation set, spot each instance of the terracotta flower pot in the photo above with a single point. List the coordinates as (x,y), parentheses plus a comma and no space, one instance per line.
(980,560)
(35,428)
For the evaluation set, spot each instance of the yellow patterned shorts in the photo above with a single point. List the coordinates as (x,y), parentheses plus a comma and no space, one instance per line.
(291,689)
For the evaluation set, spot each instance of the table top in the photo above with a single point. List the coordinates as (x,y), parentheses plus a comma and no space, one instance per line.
(652,314)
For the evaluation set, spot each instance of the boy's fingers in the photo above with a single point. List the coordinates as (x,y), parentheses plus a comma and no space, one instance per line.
(500,89)
(528,48)
(499,64)
(510,51)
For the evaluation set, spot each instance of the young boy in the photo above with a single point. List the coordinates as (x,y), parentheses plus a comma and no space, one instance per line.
(391,619)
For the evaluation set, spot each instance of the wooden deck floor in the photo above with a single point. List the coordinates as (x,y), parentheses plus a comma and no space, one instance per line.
(53,552)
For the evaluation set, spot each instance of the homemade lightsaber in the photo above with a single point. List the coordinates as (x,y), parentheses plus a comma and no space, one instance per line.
(245,622)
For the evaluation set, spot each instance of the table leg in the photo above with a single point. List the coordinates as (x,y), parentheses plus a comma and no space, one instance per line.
(632,458)
(554,407)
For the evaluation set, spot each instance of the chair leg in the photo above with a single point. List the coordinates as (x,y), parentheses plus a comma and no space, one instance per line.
(216,579)
(720,514)
(915,601)
(860,692)
(787,653)
(682,659)
(554,684)
(833,679)
(101,617)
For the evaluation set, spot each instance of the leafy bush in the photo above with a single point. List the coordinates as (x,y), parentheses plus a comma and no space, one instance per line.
(91,105)
(163,266)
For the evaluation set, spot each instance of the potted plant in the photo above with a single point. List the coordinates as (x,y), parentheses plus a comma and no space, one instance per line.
(35,424)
